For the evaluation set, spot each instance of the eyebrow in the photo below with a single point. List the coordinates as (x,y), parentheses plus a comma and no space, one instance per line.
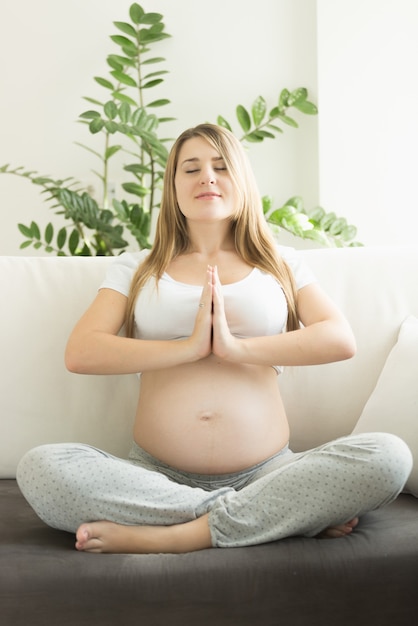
(196,159)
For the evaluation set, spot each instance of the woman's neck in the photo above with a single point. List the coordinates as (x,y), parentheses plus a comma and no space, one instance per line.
(210,239)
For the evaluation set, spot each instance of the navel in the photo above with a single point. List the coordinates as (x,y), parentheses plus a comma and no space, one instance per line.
(206,416)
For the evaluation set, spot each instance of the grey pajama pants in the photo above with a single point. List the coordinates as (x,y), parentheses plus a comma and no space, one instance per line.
(289,494)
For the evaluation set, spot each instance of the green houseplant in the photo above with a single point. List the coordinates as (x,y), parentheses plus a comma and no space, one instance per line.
(130,123)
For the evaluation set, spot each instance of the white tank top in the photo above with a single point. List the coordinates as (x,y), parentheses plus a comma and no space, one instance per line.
(254,306)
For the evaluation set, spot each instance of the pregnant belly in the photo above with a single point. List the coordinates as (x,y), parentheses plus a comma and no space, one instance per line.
(211,417)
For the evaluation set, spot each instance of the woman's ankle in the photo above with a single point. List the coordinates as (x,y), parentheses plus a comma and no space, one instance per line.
(192,536)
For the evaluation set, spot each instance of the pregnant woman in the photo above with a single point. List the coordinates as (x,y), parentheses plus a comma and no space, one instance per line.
(211,314)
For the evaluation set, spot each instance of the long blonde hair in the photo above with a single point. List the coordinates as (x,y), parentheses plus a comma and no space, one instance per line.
(254,242)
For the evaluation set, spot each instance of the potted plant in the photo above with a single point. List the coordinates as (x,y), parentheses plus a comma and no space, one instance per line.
(131,123)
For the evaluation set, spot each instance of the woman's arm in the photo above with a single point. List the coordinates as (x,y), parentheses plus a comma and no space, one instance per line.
(95,347)
(325,336)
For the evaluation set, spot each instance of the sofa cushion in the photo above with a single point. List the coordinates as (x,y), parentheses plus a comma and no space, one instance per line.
(296,581)
(393,405)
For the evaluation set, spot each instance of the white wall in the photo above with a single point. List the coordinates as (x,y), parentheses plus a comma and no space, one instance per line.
(368,124)
(222,53)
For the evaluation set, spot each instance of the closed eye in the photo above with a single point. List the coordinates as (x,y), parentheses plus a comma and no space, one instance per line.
(217,169)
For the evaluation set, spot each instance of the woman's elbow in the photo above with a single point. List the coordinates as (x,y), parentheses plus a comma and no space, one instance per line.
(347,346)
(73,360)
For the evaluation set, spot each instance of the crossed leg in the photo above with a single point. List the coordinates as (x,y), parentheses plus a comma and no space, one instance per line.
(195,535)
(313,496)
(116,538)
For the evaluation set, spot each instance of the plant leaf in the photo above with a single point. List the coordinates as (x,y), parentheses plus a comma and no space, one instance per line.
(254,137)
(267,203)
(34,228)
(306,107)
(152,83)
(120,61)
(115,65)
(125,112)
(288,120)
(317,235)
(89,115)
(73,241)
(159,73)
(111,150)
(258,110)
(151,18)
(134,188)
(158,103)
(337,226)
(25,230)
(327,220)
(153,60)
(93,101)
(136,12)
(243,118)
(104,82)
(138,117)
(111,127)
(297,95)
(126,28)
(96,125)
(317,214)
(61,238)
(264,134)
(222,122)
(123,98)
(348,233)
(137,169)
(110,110)
(123,78)
(125,43)
(296,202)
(277,129)
(49,233)
(284,98)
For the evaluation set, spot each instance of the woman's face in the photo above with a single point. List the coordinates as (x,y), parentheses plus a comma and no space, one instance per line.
(204,188)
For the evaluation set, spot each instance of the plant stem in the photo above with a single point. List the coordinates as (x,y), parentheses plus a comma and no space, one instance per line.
(140,94)
(105,174)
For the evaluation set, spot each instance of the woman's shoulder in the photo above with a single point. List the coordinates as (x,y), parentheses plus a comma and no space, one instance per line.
(301,271)
(120,272)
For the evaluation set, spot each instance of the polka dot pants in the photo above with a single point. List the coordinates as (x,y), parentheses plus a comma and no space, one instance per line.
(287,495)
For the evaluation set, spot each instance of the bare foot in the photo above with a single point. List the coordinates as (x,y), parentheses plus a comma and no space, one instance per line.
(114,538)
(342,530)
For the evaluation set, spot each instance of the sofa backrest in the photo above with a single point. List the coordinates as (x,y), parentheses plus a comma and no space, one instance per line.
(377,289)
(43,297)
(41,402)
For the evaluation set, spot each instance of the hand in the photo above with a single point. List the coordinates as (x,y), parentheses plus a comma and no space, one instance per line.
(223,341)
(202,333)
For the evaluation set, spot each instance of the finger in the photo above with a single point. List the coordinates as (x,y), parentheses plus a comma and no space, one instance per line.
(206,295)
(217,287)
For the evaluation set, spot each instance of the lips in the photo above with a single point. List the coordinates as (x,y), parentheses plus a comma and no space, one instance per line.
(208,194)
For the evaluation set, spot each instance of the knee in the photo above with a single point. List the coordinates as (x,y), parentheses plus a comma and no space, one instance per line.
(31,467)
(397,453)
(389,456)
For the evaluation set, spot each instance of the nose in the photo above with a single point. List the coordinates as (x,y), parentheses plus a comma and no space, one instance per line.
(207,177)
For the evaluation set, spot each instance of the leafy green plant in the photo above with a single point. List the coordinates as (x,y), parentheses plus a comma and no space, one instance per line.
(327,229)
(129,121)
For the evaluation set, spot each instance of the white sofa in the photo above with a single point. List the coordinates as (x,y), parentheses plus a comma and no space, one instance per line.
(41,402)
